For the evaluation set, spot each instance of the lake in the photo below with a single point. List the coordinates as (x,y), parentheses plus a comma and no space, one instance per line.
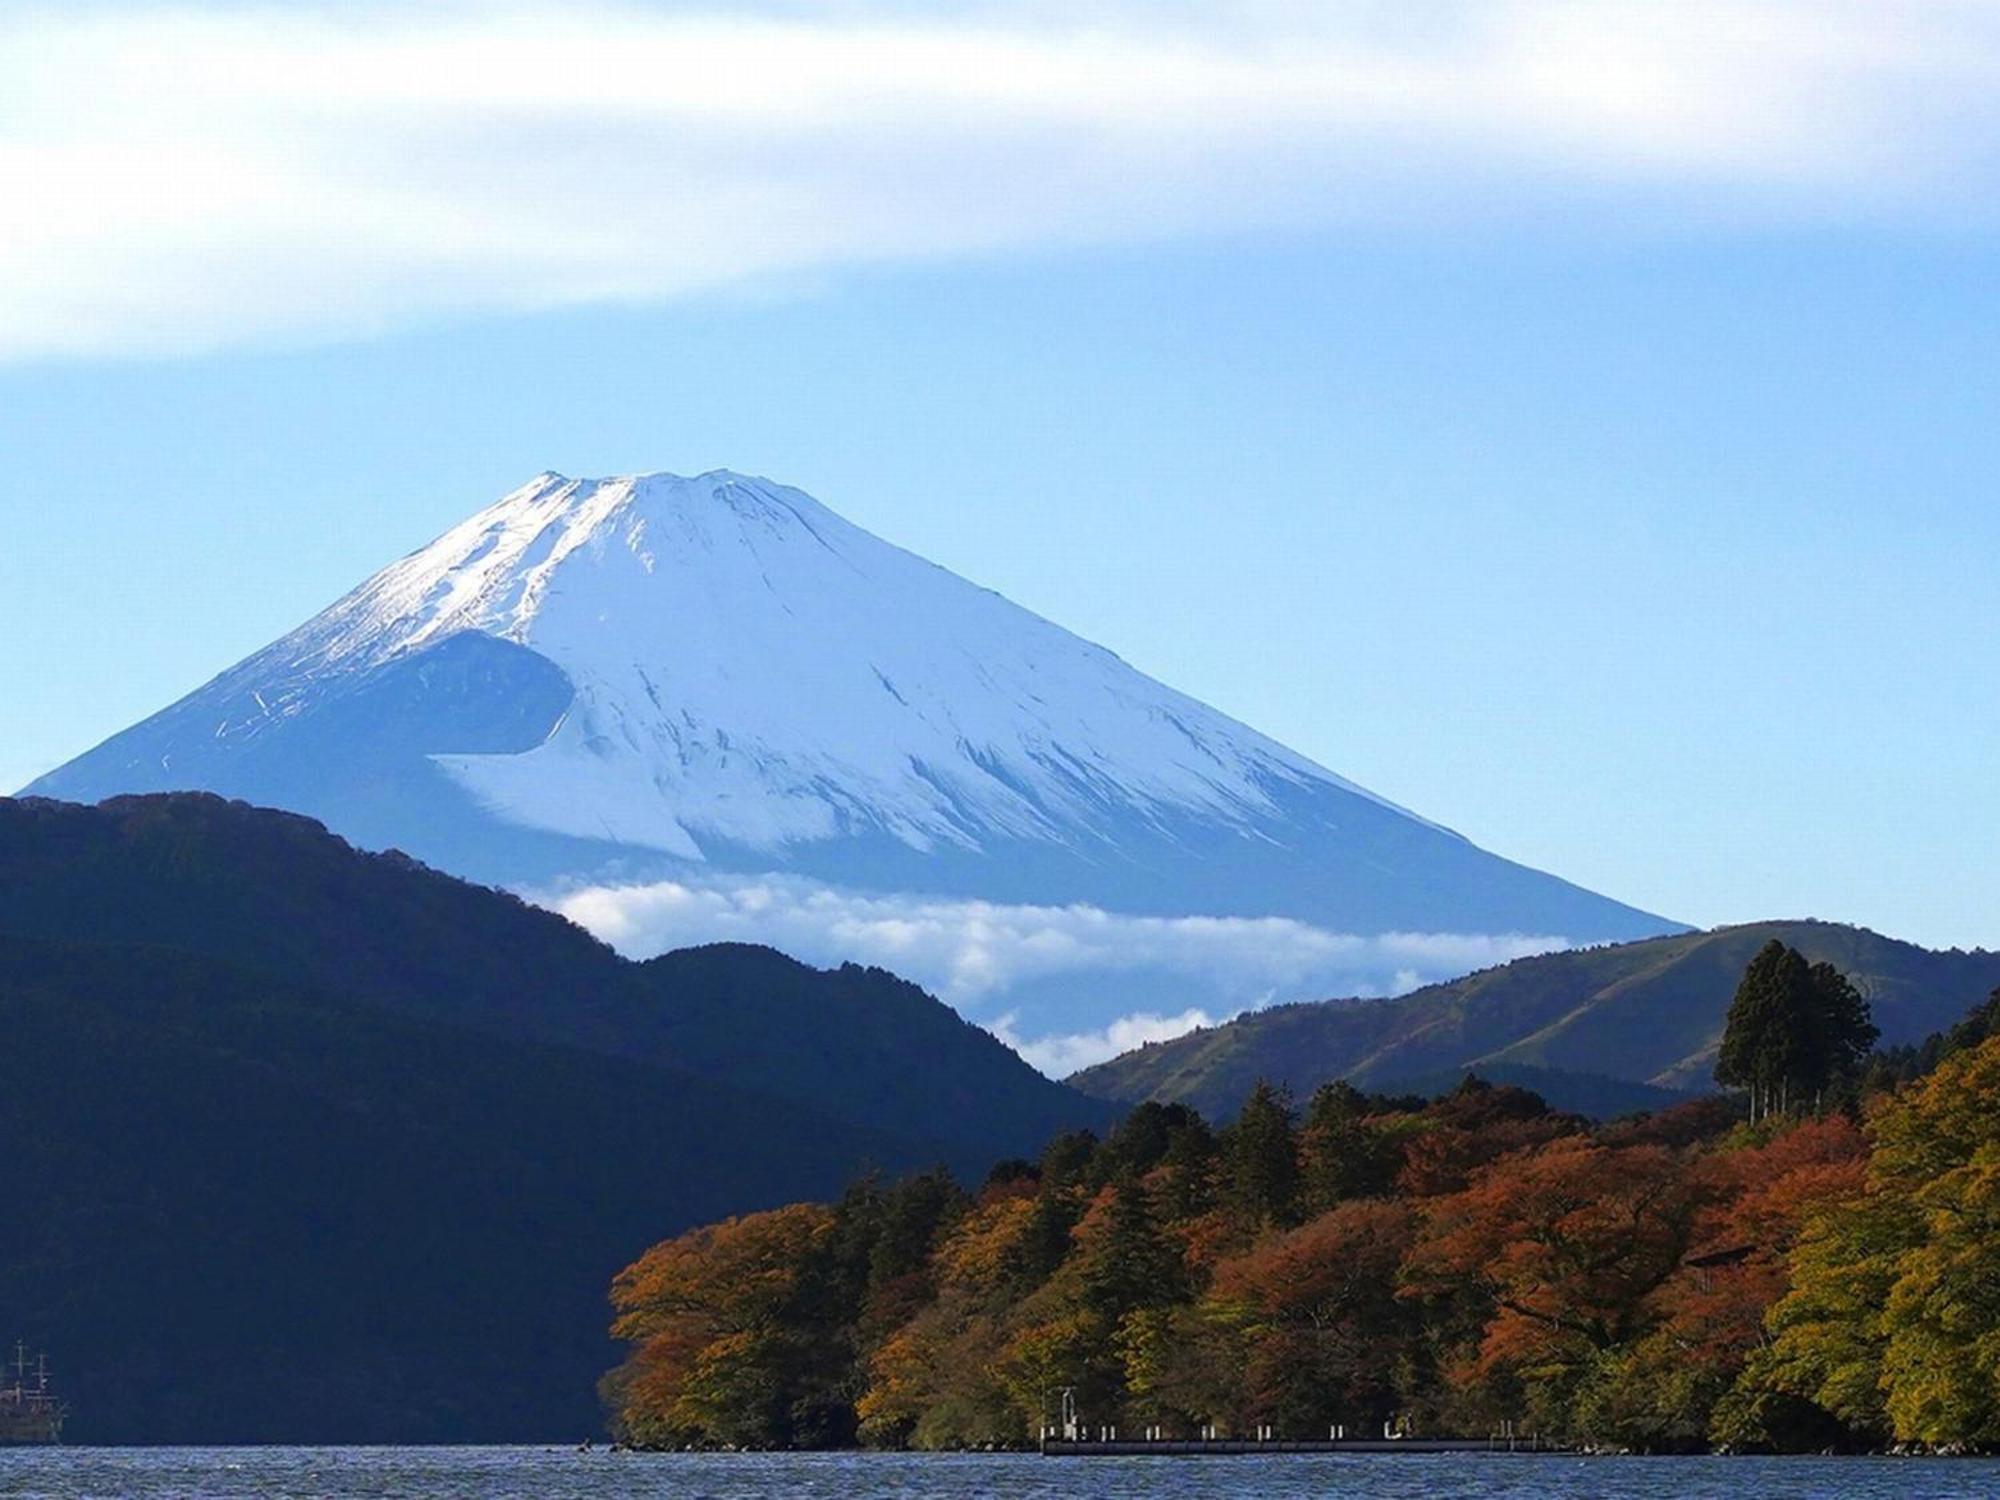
(561,1474)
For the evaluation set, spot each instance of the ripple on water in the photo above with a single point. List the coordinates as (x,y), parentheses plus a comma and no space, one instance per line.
(563,1474)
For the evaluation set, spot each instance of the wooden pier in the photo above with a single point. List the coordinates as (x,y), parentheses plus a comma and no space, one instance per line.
(1219,1447)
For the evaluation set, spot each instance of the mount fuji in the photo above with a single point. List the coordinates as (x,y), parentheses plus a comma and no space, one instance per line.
(718,698)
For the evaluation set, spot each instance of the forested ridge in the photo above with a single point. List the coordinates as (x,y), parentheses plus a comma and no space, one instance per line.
(306,1144)
(1822,1278)
(274,892)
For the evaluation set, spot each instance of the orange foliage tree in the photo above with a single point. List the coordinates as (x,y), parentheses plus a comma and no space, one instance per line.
(1566,1246)
(707,1312)
(1672,1281)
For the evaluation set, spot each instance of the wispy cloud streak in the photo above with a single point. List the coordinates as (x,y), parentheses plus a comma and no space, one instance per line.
(175,178)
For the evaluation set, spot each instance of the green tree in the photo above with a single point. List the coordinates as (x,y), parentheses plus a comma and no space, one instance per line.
(1143,1138)
(1892,1066)
(913,1214)
(1135,1263)
(1045,1239)
(1762,1035)
(1893,1317)
(1981,1022)
(1187,1185)
(1794,1030)
(1341,1156)
(1839,1031)
(1068,1157)
(1261,1158)
(1938,1148)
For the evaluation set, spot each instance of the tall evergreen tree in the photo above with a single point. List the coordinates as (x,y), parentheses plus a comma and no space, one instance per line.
(1794,1030)
(912,1215)
(1765,1031)
(1045,1239)
(1067,1158)
(1839,1031)
(1188,1188)
(1263,1158)
(1340,1156)
(1137,1263)
(1143,1139)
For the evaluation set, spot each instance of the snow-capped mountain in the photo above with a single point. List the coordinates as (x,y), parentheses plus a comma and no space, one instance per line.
(653,676)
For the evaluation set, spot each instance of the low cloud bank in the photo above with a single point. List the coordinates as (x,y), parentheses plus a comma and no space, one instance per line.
(1062,1054)
(976,954)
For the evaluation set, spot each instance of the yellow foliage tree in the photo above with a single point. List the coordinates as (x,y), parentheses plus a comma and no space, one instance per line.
(1892,1323)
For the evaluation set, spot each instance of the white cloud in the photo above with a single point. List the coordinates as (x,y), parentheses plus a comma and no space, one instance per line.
(978,954)
(1064,1053)
(172,178)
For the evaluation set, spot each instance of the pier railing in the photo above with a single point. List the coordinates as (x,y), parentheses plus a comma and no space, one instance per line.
(1105,1443)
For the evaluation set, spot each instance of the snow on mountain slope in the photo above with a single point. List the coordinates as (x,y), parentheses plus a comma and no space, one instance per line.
(657,677)
(750,667)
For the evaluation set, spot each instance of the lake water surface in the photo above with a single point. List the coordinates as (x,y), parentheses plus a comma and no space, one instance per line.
(560,1474)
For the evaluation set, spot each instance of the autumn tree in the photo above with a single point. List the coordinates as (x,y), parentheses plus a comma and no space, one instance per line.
(1668,1282)
(1323,1327)
(1893,1319)
(1475,1124)
(931,1383)
(717,1358)
(1662,1392)
(1568,1244)
(1821,1366)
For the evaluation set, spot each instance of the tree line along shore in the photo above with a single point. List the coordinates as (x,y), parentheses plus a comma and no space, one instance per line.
(1808,1263)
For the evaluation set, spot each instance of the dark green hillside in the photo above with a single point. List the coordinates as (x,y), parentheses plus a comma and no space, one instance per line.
(237,1211)
(276,892)
(1647,1012)
(857,1042)
(307,1144)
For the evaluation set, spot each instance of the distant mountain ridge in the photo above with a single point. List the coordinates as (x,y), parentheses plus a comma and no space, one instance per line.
(1648,1012)
(653,676)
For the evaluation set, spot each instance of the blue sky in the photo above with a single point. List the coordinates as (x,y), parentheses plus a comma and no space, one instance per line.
(1598,460)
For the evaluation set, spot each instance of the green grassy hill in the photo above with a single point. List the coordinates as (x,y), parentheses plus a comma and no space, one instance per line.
(1648,1012)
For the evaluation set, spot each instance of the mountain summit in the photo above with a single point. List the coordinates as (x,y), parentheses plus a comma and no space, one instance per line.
(653,676)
